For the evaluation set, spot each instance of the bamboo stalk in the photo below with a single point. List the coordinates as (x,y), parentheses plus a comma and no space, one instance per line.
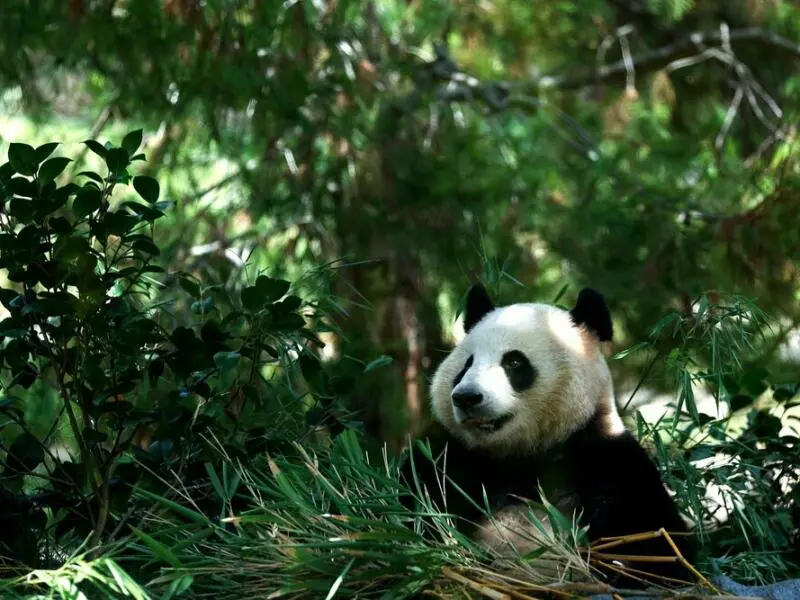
(473,585)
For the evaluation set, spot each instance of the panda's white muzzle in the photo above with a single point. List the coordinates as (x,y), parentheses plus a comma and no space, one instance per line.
(472,408)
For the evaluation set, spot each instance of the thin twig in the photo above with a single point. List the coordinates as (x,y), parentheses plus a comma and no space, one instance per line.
(666,54)
(686,563)
(630,67)
(611,542)
(628,570)
(733,109)
(636,557)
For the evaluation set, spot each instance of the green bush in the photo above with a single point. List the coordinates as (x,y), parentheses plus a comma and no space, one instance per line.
(105,382)
(747,459)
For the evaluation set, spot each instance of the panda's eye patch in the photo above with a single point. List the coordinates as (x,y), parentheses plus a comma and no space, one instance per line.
(462,372)
(519,370)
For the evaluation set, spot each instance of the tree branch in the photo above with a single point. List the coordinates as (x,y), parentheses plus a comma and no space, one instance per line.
(666,54)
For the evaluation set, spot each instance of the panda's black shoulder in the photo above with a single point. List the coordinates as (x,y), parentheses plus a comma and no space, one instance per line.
(622,493)
(616,466)
(596,453)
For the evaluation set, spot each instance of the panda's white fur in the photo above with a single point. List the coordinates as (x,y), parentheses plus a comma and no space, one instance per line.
(573,381)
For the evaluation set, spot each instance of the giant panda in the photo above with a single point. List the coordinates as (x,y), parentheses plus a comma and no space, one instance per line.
(525,402)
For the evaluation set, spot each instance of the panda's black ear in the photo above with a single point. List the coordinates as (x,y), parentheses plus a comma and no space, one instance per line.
(478,306)
(591,311)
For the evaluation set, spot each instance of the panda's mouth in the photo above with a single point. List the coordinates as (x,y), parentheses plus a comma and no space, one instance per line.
(485,424)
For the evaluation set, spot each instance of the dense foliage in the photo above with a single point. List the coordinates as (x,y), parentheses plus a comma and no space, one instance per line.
(289,131)
(287,174)
(164,418)
(139,391)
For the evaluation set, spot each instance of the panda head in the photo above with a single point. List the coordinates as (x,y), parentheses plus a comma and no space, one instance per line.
(526,376)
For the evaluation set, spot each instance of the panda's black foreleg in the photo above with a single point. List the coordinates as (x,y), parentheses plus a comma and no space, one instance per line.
(469,475)
(621,493)
(422,477)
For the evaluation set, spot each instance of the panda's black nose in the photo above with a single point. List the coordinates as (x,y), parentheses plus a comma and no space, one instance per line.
(466,400)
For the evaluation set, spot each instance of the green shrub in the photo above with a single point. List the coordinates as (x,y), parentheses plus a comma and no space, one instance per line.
(735,476)
(105,384)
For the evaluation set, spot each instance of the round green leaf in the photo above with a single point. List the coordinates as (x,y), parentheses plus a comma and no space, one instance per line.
(117,160)
(288,304)
(132,141)
(251,298)
(23,159)
(12,328)
(96,147)
(88,200)
(143,211)
(25,454)
(92,176)
(52,168)
(68,247)
(20,209)
(22,187)
(146,246)
(118,223)
(45,150)
(147,187)
(190,286)
(271,289)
